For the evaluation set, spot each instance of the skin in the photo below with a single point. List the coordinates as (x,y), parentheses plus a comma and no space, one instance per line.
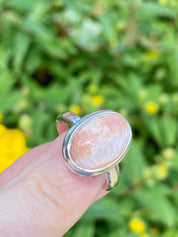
(40,197)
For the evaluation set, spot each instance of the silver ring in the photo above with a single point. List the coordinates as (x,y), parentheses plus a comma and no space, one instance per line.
(116,140)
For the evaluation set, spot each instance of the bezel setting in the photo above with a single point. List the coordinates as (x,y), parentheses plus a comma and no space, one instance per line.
(68,141)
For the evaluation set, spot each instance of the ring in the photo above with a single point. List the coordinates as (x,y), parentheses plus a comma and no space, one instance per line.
(96,143)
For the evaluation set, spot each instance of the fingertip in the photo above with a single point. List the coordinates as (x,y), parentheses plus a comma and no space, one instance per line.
(61,127)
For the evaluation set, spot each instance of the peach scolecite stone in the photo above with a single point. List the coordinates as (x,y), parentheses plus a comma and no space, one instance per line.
(100,141)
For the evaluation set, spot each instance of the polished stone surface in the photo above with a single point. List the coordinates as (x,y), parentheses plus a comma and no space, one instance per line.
(100,141)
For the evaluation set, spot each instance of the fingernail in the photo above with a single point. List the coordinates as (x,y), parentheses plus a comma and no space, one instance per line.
(100,141)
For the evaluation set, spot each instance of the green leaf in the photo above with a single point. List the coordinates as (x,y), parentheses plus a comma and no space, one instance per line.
(170,130)
(53,95)
(122,232)
(19,4)
(154,92)
(154,200)
(107,21)
(85,229)
(44,128)
(33,60)
(133,164)
(104,209)
(175,164)
(8,98)
(153,125)
(154,9)
(172,60)
(4,56)
(163,130)
(21,46)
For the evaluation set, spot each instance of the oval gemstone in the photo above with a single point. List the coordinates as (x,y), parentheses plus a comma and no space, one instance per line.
(100,141)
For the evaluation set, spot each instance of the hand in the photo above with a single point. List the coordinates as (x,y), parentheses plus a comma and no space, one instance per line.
(39,196)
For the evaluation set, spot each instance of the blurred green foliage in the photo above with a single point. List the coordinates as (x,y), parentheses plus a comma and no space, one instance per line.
(57,54)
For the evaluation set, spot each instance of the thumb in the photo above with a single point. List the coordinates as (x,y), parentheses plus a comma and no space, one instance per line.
(46,199)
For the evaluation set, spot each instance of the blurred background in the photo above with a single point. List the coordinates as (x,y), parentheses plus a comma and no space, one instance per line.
(83,56)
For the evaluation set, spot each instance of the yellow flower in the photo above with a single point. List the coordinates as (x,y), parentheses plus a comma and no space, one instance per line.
(75,109)
(163,1)
(97,100)
(4,163)
(152,54)
(12,146)
(162,171)
(151,108)
(1,117)
(2,129)
(137,225)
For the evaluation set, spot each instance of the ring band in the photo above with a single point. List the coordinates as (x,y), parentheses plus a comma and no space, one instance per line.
(72,147)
